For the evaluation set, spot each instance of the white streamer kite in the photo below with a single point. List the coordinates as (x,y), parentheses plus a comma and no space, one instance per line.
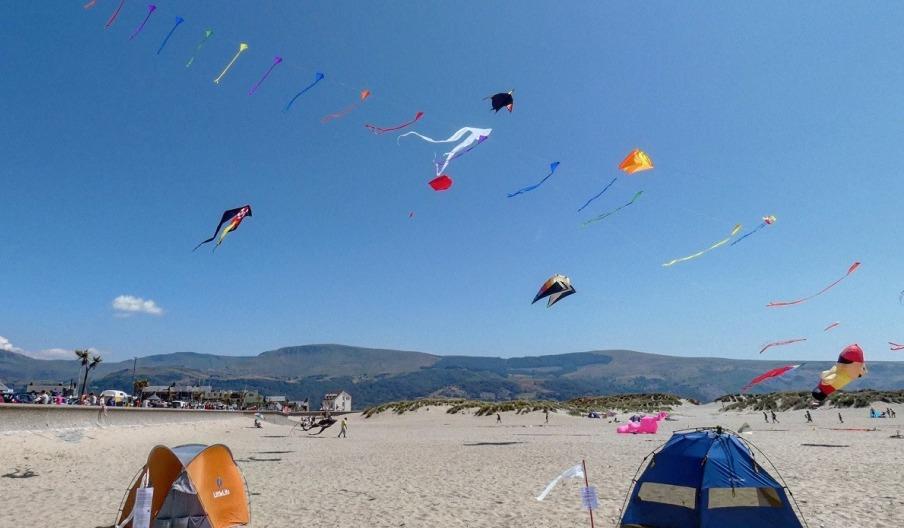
(468,138)
(572,472)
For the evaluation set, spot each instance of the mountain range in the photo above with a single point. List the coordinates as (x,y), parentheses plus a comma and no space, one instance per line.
(375,376)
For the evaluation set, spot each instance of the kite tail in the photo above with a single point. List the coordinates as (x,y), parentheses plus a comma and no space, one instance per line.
(761,226)
(211,239)
(115,15)
(606,188)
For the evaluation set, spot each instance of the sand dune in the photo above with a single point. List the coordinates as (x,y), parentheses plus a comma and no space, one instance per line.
(433,469)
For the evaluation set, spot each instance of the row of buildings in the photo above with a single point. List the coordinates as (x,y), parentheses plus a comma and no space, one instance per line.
(339,401)
(243,399)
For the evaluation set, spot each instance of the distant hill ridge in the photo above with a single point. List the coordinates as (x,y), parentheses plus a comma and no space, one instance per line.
(375,376)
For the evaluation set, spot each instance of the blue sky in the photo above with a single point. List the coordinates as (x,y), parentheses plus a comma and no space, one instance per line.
(117,161)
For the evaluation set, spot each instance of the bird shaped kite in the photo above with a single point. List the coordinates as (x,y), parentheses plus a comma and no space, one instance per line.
(502,100)
(636,161)
(851,365)
(556,288)
(234,217)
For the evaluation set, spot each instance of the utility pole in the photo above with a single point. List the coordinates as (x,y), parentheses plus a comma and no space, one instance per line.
(134,363)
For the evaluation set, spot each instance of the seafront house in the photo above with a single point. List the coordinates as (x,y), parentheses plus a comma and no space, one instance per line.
(169,393)
(337,401)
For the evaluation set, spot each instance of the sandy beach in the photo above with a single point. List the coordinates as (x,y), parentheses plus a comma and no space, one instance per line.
(430,468)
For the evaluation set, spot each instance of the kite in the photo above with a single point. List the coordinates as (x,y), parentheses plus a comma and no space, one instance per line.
(151,9)
(207,34)
(572,472)
(722,242)
(850,366)
(552,169)
(556,288)
(467,137)
(242,48)
(606,188)
(317,78)
(502,100)
(347,110)
(894,347)
(612,212)
(378,130)
(850,270)
(441,183)
(636,161)
(276,61)
(179,20)
(115,15)
(774,373)
(901,297)
(831,326)
(410,214)
(782,343)
(234,217)
(767,220)
(89,5)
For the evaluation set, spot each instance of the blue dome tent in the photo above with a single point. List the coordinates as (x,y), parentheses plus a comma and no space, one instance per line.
(707,478)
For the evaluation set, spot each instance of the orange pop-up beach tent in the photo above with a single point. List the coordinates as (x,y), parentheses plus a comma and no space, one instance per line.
(193,485)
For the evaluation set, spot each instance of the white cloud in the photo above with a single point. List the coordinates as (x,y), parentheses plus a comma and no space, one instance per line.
(52,353)
(126,305)
(49,353)
(7,346)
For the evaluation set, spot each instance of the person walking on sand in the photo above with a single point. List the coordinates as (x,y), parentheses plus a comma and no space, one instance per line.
(765,417)
(840,419)
(498,418)
(809,417)
(546,412)
(343,428)
(774,420)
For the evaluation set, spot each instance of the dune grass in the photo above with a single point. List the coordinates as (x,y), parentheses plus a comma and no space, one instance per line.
(792,401)
(575,407)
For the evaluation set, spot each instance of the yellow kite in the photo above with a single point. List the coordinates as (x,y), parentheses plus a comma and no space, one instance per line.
(636,161)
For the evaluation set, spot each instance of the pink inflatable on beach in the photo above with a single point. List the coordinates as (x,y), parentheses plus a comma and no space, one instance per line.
(646,425)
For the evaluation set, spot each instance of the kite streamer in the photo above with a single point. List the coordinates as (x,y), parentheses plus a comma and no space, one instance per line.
(242,48)
(831,326)
(612,212)
(378,130)
(467,138)
(115,15)
(151,9)
(207,34)
(552,169)
(781,343)
(894,347)
(179,20)
(774,373)
(722,242)
(345,111)
(606,188)
(276,61)
(850,270)
(767,220)
(89,5)
(317,78)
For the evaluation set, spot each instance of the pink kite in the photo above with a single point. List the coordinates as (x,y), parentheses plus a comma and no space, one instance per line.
(781,343)
(345,111)
(378,130)
(774,373)
(115,15)
(894,347)
(850,270)
(831,326)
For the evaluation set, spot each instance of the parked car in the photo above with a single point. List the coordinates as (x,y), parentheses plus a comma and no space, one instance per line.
(178,404)
(22,398)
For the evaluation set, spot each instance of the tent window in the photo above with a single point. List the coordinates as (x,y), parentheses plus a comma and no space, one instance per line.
(683,496)
(744,498)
